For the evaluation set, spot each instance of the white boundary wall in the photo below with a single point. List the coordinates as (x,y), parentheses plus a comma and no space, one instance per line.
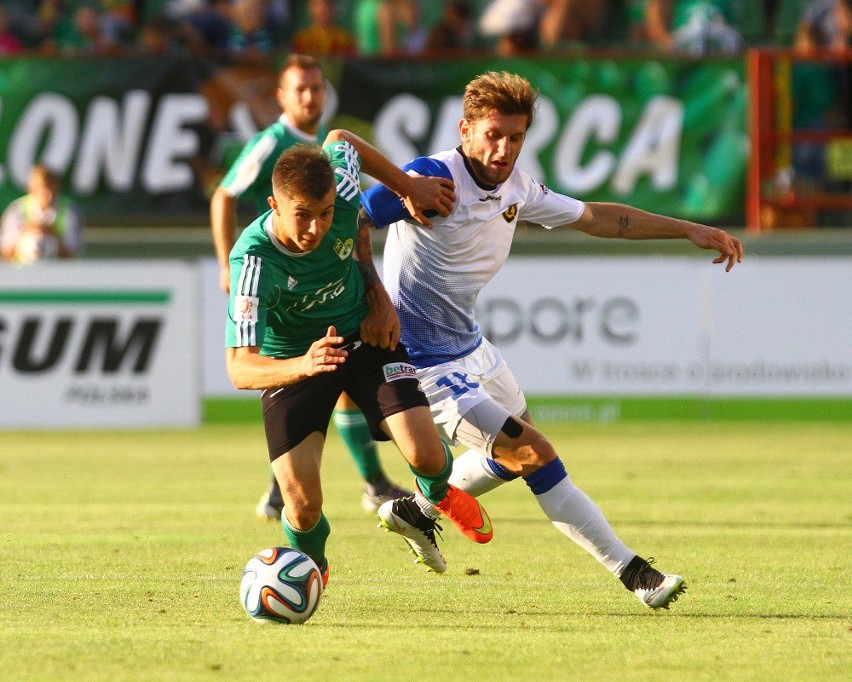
(649,326)
(100,344)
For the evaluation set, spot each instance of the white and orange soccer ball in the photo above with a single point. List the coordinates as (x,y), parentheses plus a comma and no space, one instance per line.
(281,584)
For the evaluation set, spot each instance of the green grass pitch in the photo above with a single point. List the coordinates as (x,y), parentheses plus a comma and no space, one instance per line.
(121,554)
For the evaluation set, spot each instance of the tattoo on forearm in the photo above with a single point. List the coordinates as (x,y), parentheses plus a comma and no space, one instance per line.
(623,225)
(364,256)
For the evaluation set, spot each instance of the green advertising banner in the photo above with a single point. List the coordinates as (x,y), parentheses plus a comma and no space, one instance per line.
(145,140)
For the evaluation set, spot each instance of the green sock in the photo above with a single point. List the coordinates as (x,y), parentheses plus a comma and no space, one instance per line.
(311,541)
(353,429)
(434,488)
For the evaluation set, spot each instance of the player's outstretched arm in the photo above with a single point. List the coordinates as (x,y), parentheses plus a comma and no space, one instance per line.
(419,193)
(223,223)
(602,219)
(248,369)
(380,327)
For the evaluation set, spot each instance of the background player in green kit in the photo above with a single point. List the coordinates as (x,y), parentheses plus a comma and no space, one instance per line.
(309,319)
(301,96)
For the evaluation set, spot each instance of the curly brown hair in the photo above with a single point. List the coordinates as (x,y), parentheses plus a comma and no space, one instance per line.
(507,93)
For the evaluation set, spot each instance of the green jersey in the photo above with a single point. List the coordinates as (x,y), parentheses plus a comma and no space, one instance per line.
(283,301)
(252,171)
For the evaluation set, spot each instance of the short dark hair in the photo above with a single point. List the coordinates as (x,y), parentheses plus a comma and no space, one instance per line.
(305,62)
(302,170)
(507,93)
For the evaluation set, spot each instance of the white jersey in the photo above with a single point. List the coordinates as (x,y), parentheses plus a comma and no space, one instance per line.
(434,276)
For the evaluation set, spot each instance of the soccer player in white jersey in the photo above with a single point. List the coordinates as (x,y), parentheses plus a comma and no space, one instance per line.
(301,96)
(434,277)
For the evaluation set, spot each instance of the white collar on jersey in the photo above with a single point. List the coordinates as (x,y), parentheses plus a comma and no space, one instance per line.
(301,134)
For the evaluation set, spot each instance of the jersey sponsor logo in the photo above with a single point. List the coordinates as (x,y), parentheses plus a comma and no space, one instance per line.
(510,213)
(399,370)
(344,249)
(245,308)
(291,282)
(324,294)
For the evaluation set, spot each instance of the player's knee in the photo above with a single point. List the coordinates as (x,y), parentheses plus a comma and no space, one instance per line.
(303,513)
(536,453)
(428,461)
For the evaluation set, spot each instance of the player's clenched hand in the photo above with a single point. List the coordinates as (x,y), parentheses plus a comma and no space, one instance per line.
(324,354)
(427,193)
(730,248)
(381,327)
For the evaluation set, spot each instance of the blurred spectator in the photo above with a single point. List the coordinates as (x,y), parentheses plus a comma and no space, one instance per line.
(455,29)
(414,34)
(323,35)
(119,20)
(512,24)
(693,27)
(564,21)
(388,27)
(81,35)
(825,24)
(41,224)
(10,44)
(204,25)
(820,90)
(250,36)
(159,36)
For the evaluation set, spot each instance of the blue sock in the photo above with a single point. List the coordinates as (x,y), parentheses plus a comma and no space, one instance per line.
(543,479)
(499,470)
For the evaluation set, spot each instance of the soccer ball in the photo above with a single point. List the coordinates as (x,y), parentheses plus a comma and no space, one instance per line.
(280,584)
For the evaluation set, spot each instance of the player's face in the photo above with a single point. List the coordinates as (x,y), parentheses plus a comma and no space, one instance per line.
(301,223)
(42,191)
(302,97)
(492,145)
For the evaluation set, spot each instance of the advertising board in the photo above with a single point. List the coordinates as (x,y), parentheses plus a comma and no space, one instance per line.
(99,344)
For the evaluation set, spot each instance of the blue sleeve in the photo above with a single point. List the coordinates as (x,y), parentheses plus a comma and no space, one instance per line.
(384,207)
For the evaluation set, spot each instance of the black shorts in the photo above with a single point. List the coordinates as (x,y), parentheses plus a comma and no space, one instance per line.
(380,382)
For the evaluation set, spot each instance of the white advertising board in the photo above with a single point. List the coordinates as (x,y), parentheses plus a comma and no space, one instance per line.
(99,344)
(213,320)
(648,326)
(674,326)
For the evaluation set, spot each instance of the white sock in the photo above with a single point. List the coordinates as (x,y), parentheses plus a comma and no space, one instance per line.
(472,474)
(574,514)
(426,506)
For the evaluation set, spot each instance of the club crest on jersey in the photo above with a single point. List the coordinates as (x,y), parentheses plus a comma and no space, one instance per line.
(510,213)
(343,249)
(399,370)
(291,282)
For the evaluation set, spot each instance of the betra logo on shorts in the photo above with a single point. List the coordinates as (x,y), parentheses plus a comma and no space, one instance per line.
(399,370)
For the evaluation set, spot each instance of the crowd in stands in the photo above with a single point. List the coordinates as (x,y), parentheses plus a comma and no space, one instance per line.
(255,28)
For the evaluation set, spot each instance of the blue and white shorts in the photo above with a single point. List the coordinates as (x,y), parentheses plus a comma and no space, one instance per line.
(472,397)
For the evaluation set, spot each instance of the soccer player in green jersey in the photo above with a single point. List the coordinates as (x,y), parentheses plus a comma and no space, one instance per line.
(309,319)
(301,96)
